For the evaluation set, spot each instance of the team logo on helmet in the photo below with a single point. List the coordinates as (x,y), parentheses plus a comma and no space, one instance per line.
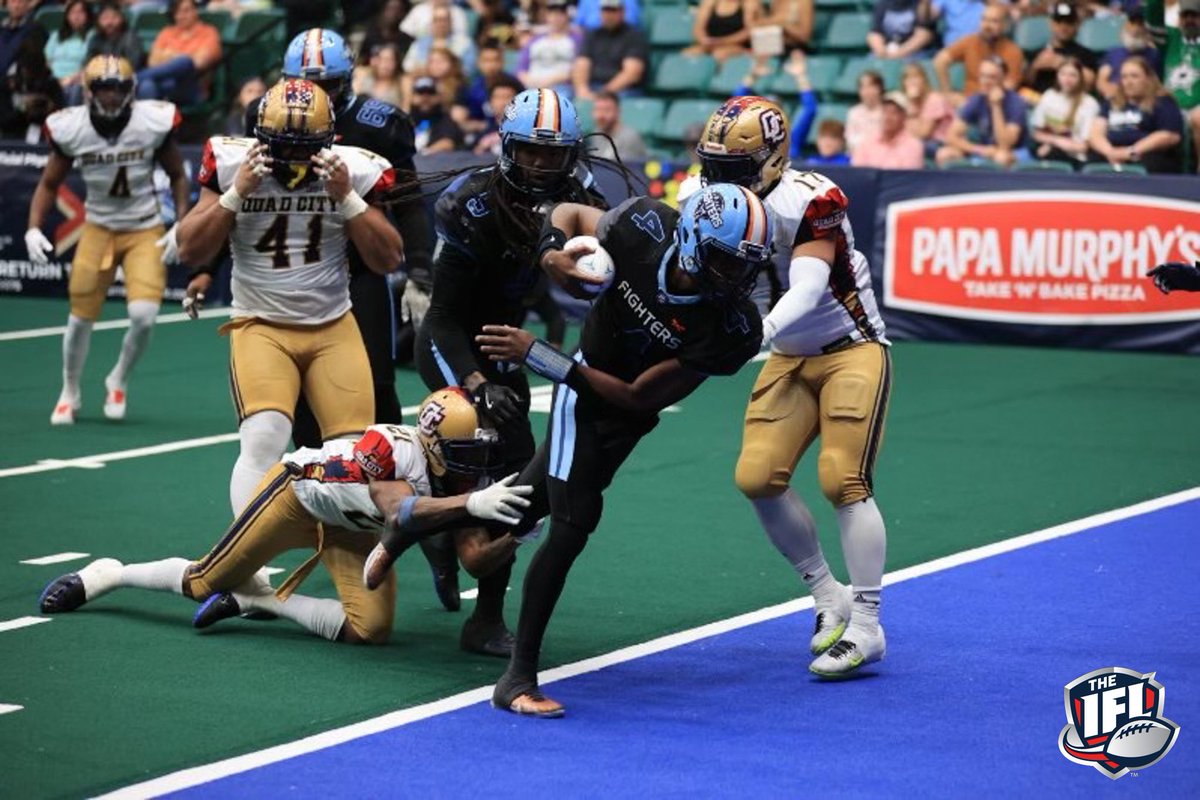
(298,93)
(1115,721)
(710,207)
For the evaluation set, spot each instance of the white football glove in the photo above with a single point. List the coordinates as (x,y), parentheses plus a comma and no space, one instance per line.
(170,246)
(414,304)
(38,246)
(501,501)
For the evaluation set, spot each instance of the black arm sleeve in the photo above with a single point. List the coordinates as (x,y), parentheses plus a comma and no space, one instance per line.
(453,281)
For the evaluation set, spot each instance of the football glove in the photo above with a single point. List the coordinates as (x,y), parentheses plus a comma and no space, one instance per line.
(170,246)
(501,501)
(1176,275)
(500,403)
(414,304)
(38,246)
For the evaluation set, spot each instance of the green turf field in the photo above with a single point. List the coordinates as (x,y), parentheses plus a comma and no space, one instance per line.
(982,444)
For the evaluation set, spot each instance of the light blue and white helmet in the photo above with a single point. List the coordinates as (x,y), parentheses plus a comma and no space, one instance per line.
(323,57)
(724,239)
(539,141)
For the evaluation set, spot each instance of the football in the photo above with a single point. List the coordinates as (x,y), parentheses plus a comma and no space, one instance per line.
(1139,741)
(598,263)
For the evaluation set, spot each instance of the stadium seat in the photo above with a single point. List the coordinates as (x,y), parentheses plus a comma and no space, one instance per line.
(1043,166)
(643,114)
(679,74)
(826,111)
(252,25)
(1100,34)
(681,114)
(584,109)
(147,24)
(845,5)
(986,166)
(847,82)
(823,72)
(1032,33)
(219,19)
(671,27)
(1111,169)
(848,31)
(729,75)
(49,17)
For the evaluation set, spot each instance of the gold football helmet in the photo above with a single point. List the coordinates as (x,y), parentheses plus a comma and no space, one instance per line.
(295,121)
(108,86)
(450,433)
(745,141)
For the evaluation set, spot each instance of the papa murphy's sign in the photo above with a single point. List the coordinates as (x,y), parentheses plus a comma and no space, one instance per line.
(1059,258)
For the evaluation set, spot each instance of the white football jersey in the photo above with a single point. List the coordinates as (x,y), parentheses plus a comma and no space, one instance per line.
(289,245)
(119,173)
(334,479)
(806,206)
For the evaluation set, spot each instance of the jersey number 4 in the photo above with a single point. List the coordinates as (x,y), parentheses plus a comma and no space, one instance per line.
(274,241)
(120,184)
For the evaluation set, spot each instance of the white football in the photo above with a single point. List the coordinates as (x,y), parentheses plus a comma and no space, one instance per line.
(597,263)
(1139,741)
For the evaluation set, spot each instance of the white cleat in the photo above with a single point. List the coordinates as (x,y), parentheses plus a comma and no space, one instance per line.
(64,412)
(114,404)
(856,649)
(832,615)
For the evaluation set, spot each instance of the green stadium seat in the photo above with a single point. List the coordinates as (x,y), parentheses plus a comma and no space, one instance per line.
(1032,33)
(671,27)
(643,114)
(821,23)
(826,111)
(260,26)
(680,74)
(847,82)
(1101,33)
(584,109)
(681,114)
(823,72)
(220,19)
(49,17)
(1043,166)
(848,31)
(845,5)
(1111,169)
(986,166)
(730,75)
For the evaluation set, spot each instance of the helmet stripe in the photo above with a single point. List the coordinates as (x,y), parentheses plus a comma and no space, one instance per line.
(314,54)
(756,219)
(547,116)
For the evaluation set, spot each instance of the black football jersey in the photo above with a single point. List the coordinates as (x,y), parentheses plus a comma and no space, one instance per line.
(638,323)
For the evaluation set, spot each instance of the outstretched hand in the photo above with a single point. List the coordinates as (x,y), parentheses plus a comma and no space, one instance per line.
(504,343)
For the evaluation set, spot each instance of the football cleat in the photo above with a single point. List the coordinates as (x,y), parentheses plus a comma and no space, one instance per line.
(63,594)
(854,650)
(221,605)
(832,616)
(524,697)
(377,566)
(487,638)
(64,412)
(114,404)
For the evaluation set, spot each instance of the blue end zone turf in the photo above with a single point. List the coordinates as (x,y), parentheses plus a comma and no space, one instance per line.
(968,704)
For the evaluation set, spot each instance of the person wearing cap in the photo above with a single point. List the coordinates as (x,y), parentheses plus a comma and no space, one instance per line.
(1064,25)
(613,58)
(892,147)
(971,51)
(1135,41)
(547,58)
(991,124)
(1181,60)
(436,132)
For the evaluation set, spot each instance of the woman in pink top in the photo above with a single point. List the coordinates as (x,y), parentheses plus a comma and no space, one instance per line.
(863,120)
(929,112)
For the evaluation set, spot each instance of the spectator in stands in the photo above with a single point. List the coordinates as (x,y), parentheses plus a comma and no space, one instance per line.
(502,93)
(443,37)
(489,67)
(67,48)
(547,58)
(182,58)
(991,124)
(1043,69)
(722,28)
(496,23)
(929,112)
(381,78)
(30,92)
(385,29)
(113,36)
(16,28)
(959,18)
(831,145)
(864,119)
(606,116)
(445,68)
(1142,124)
(589,14)
(1062,120)
(893,147)
(1135,41)
(436,132)
(796,18)
(971,51)
(614,56)
(901,29)
(251,89)
(419,21)
(1181,60)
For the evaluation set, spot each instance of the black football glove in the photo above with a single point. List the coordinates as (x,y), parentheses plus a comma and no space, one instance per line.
(500,403)
(1176,275)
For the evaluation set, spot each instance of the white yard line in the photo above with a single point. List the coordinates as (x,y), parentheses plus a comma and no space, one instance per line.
(107,325)
(57,558)
(8,709)
(231,766)
(21,622)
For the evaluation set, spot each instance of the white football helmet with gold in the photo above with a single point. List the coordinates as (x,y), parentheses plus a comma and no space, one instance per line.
(745,141)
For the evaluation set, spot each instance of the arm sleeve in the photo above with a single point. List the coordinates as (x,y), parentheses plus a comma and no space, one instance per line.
(808,276)
(803,123)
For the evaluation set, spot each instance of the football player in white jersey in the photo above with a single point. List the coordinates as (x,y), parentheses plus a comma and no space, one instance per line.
(288,201)
(828,375)
(116,142)
(335,500)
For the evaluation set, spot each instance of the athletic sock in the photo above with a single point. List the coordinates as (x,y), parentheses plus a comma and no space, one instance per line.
(791,528)
(864,543)
(489,603)
(76,341)
(321,616)
(264,439)
(159,576)
(142,314)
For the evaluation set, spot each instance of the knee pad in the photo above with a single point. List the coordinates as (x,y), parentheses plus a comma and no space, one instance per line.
(264,438)
(142,313)
(756,477)
(841,482)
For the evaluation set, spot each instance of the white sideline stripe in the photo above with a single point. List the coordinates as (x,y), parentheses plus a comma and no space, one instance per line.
(196,776)
(272,570)
(100,459)
(469,594)
(21,622)
(57,558)
(106,325)
(7,709)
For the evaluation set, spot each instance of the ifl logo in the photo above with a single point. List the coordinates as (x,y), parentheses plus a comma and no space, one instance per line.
(1115,721)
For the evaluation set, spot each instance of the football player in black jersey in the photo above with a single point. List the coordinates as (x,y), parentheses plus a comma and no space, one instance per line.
(678,311)
(485,272)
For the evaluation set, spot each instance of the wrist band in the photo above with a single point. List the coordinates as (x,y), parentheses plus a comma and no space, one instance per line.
(551,238)
(230,201)
(548,362)
(352,205)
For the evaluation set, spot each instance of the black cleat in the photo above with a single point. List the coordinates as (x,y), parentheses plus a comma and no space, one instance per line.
(487,638)
(221,605)
(63,594)
(523,696)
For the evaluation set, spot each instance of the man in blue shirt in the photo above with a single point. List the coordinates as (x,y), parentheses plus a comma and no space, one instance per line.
(990,126)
